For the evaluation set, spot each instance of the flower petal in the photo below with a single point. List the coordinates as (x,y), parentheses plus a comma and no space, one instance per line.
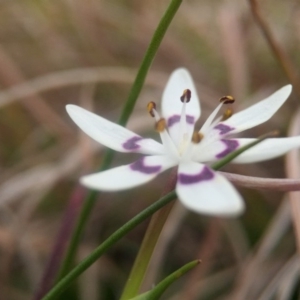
(179,80)
(255,114)
(110,134)
(267,149)
(128,176)
(204,191)
(215,150)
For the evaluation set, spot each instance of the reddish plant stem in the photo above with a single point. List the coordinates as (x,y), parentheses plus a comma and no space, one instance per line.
(276,48)
(60,245)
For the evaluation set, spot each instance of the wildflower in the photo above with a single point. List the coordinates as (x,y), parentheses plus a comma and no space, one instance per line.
(198,187)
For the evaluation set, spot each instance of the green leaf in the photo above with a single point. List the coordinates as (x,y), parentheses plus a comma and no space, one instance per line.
(159,289)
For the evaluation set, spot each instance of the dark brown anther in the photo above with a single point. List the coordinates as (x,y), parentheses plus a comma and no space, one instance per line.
(150,107)
(186,96)
(227,99)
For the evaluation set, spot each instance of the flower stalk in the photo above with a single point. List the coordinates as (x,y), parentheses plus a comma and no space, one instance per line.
(150,240)
(159,289)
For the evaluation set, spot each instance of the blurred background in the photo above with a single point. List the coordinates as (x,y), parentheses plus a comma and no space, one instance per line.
(87,52)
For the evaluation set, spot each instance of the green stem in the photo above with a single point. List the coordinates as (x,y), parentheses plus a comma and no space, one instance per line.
(161,287)
(88,205)
(148,58)
(151,237)
(109,242)
(142,260)
(126,112)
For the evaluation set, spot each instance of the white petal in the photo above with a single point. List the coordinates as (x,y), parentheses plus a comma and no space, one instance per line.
(267,149)
(179,80)
(204,191)
(255,114)
(128,176)
(110,134)
(215,150)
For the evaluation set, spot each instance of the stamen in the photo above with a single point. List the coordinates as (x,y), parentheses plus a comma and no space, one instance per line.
(210,119)
(227,114)
(151,106)
(160,125)
(227,100)
(197,137)
(186,96)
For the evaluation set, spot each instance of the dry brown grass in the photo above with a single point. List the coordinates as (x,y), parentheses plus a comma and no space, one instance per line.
(87,52)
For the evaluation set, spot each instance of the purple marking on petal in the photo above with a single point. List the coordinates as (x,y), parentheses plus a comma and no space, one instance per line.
(131,143)
(190,119)
(205,175)
(223,128)
(140,166)
(176,118)
(231,145)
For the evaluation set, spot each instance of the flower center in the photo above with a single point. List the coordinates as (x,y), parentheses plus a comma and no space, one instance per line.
(179,144)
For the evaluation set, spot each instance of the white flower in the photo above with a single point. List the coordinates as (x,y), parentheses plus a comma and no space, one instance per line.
(198,187)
